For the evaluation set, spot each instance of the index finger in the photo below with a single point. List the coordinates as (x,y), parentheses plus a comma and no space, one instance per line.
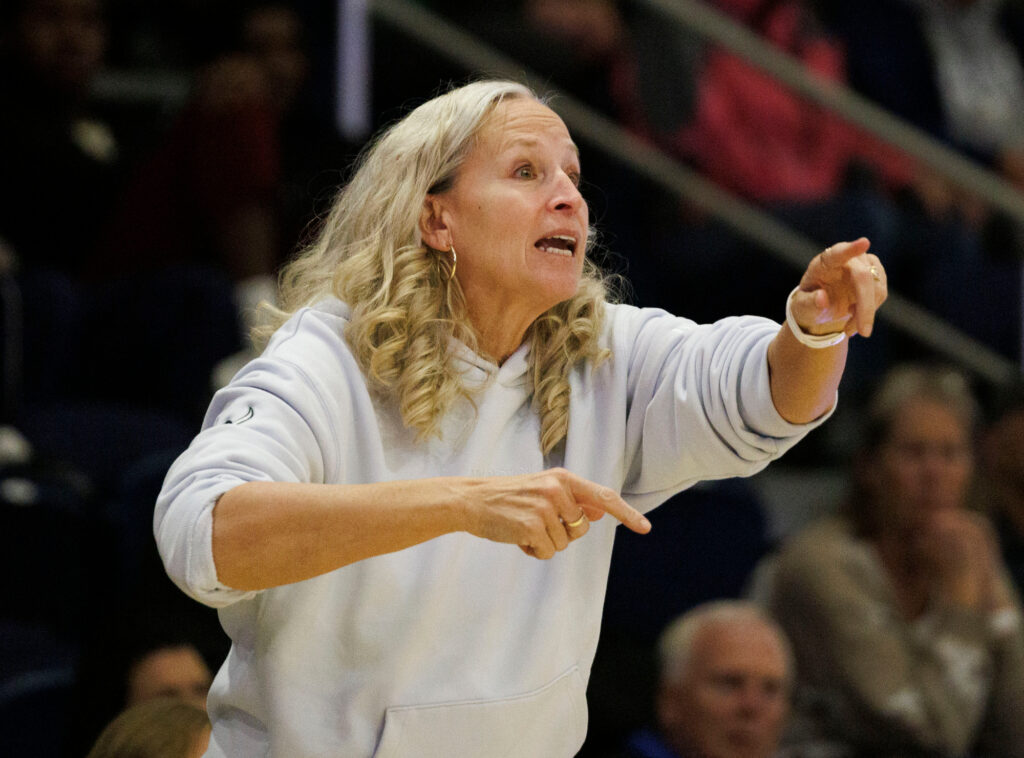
(596,499)
(841,252)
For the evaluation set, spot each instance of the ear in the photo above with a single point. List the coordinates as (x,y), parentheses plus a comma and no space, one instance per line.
(433,227)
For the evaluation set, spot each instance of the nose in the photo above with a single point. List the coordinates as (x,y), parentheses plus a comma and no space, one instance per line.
(933,466)
(936,461)
(753,699)
(566,195)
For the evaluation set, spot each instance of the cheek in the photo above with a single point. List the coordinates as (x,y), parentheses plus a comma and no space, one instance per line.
(777,713)
(714,708)
(960,470)
(957,479)
(908,475)
(492,224)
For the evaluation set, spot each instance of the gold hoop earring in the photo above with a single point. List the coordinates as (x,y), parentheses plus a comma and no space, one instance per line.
(455,261)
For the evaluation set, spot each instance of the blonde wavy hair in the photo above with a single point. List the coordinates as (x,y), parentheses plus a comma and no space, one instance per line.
(405,306)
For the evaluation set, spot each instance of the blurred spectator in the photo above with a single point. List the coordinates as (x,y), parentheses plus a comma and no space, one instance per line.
(174,670)
(159,648)
(625,61)
(58,156)
(168,34)
(755,136)
(953,67)
(620,58)
(111,365)
(156,728)
(1001,478)
(67,339)
(724,689)
(906,632)
(313,157)
(244,168)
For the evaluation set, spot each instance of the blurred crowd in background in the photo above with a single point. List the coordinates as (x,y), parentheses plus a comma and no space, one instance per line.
(160,160)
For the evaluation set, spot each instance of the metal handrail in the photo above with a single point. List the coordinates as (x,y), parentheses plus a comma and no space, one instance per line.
(744,218)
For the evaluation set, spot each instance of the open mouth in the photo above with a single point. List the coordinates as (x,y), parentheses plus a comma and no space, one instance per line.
(560,244)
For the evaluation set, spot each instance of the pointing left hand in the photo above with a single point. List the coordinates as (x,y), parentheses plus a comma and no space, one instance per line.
(841,290)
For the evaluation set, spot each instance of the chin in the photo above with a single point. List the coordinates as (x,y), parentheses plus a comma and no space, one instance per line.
(564,288)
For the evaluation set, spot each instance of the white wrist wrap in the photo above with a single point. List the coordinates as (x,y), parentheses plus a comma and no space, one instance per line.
(816,341)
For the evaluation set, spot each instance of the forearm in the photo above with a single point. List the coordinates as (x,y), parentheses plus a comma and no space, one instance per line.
(804,380)
(267,534)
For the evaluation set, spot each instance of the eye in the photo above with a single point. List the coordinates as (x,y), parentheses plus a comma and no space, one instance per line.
(574,176)
(773,688)
(525,172)
(726,683)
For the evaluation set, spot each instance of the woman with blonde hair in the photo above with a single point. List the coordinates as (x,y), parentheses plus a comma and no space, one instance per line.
(445,381)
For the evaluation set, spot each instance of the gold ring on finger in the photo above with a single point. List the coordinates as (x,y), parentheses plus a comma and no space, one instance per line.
(577,522)
(874,273)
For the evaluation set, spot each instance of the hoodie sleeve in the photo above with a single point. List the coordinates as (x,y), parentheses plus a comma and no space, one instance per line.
(699,402)
(271,423)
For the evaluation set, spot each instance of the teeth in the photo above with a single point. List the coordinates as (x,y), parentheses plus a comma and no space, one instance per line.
(563,251)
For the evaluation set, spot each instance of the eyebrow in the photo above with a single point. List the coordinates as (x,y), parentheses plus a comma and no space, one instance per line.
(533,142)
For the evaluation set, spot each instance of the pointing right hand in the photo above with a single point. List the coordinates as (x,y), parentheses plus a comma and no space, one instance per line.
(542,512)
